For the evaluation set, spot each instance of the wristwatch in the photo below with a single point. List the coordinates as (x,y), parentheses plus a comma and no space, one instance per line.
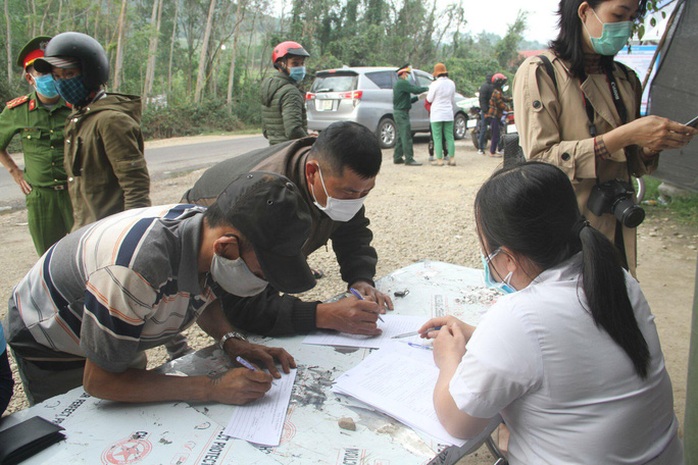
(233,335)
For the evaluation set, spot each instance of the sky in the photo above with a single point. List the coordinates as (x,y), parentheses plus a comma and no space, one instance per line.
(541,22)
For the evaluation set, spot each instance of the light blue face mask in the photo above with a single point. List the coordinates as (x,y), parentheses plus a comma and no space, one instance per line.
(297,73)
(45,85)
(613,38)
(503,286)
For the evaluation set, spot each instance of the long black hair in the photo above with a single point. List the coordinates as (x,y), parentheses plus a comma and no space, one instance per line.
(531,208)
(570,37)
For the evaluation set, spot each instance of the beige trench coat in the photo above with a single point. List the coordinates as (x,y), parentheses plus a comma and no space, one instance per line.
(553,127)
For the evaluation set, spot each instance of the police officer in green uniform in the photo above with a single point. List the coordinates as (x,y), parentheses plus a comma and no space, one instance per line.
(402,102)
(39,118)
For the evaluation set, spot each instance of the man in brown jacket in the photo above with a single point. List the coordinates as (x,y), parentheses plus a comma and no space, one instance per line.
(104,158)
(334,173)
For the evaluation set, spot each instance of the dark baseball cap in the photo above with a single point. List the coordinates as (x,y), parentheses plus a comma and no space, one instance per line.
(270,211)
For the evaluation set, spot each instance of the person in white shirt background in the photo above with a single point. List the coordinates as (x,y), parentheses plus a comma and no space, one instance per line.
(441,97)
(571,356)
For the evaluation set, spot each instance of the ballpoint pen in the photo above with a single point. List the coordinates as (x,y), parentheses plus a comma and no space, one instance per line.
(420,346)
(414,333)
(249,366)
(358,295)
(245,363)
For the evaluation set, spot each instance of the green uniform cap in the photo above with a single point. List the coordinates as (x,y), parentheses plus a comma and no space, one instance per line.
(33,50)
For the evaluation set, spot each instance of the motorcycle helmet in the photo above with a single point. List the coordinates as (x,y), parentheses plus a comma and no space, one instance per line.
(94,64)
(498,79)
(288,48)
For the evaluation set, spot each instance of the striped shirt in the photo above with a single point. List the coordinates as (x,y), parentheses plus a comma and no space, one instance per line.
(112,289)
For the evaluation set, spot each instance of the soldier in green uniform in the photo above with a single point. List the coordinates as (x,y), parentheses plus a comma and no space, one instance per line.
(402,102)
(39,118)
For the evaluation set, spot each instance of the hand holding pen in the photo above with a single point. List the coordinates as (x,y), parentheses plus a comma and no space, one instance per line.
(433,327)
(358,295)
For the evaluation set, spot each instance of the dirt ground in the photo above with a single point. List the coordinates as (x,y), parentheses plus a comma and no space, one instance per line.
(426,213)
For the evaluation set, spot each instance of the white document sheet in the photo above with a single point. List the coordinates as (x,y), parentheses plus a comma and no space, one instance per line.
(262,421)
(392,326)
(399,381)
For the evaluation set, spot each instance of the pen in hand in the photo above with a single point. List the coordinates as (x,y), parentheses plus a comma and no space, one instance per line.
(358,295)
(249,366)
(245,363)
(414,333)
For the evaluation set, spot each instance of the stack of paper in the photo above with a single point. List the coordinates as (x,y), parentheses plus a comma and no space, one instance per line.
(399,381)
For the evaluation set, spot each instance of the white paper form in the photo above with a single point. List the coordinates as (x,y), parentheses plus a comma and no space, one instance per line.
(392,326)
(400,384)
(262,421)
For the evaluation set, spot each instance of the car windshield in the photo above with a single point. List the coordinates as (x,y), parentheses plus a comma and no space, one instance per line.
(334,83)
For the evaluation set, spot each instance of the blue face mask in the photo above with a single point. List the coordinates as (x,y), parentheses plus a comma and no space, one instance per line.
(503,286)
(613,38)
(45,85)
(297,73)
(73,90)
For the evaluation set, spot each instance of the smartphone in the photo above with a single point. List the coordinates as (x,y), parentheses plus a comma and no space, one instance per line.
(693,123)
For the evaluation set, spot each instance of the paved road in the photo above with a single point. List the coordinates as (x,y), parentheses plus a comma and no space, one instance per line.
(162,162)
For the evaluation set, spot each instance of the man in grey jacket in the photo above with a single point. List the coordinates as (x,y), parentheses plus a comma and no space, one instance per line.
(334,173)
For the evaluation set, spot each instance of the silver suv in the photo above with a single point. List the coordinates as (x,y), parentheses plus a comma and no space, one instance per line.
(365,95)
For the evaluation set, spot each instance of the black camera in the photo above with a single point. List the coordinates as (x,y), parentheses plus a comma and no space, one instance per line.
(617,197)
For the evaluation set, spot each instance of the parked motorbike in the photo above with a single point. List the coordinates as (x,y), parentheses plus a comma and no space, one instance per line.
(476,114)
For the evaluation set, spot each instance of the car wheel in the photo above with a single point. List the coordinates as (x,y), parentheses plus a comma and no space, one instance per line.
(387,133)
(460,126)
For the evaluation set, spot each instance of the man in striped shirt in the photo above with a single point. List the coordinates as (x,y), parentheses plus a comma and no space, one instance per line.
(91,306)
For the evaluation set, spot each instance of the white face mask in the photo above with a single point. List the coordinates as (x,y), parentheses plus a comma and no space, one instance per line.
(337,209)
(235,277)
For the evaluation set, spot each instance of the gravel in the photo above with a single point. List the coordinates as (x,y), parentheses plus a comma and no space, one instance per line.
(416,213)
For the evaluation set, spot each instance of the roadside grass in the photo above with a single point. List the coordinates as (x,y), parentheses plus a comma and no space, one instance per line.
(684,209)
(237,132)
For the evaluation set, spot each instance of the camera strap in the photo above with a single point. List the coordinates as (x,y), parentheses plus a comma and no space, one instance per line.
(617,101)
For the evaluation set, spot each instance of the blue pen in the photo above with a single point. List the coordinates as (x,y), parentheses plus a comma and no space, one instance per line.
(358,295)
(248,365)
(245,363)
(420,346)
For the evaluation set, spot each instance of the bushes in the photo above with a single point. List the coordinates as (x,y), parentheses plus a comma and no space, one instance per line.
(186,120)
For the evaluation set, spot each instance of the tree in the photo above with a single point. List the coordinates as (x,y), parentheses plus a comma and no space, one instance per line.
(507,49)
(239,16)
(119,61)
(172,46)
(155,20)
(201,75)
(8,41)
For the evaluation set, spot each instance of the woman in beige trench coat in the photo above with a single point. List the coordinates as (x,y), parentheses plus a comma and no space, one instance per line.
(574,121)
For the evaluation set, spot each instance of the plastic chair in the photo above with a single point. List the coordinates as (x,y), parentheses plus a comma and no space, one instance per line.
(452,454)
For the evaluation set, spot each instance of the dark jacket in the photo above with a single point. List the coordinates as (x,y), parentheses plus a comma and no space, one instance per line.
(271,313)
(104,159)
(283,109)
(484,95)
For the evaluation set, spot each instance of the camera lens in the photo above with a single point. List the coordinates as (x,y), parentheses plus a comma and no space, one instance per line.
(629,214)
